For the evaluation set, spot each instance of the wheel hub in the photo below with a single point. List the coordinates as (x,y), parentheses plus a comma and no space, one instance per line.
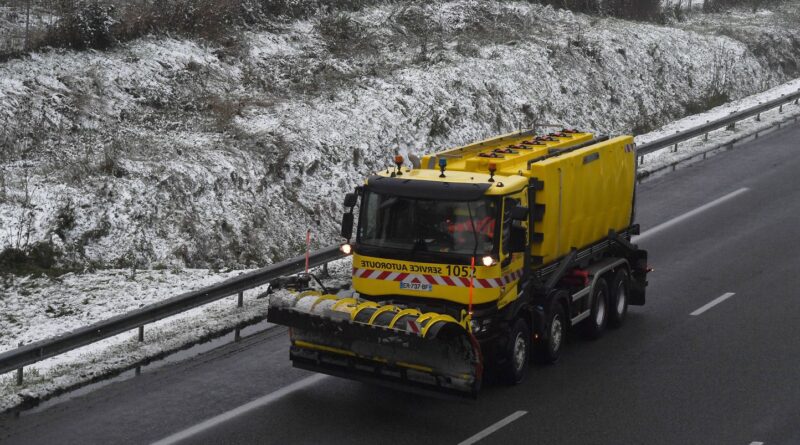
(601,309)
(556,331)
(621,299)
(519,352)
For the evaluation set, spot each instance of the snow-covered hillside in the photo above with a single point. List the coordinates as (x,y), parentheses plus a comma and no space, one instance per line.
(179,153)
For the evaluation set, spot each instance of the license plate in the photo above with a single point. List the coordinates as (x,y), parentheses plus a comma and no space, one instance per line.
(416,285)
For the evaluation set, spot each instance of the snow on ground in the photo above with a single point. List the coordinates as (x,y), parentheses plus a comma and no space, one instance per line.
(79,300)
(721,111)
(689,149)
(43,307)
(182,153)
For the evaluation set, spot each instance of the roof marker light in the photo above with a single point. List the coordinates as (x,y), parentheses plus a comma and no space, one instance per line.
(442,166)
(492,169)
(398,160)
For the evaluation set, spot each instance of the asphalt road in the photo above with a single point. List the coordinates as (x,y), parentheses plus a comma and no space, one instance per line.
(728,375)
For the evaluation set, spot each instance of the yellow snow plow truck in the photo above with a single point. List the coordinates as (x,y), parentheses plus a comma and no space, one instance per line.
(477,258)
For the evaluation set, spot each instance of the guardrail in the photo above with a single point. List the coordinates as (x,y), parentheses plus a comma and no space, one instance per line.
(43,349)
(703,130)
(25,355)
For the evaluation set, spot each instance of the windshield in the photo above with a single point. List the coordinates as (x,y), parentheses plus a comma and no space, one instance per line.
(428,225)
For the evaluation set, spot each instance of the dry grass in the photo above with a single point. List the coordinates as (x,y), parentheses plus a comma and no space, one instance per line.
(92,24)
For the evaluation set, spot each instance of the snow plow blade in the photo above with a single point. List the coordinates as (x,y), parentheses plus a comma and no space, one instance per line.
(394,346)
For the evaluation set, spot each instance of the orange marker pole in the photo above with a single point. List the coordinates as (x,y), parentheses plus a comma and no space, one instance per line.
(471,282)
(308,246)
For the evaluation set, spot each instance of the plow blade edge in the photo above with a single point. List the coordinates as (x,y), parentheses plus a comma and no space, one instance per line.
(393,346)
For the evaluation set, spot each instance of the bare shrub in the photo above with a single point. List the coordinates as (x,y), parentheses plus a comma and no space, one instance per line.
(224,109)
(721,5)
(467,49)
(110,161)
(634,9)
(342,34)
(629,9)
(587,6)
(706,102)
(209,19)
(65,220)
(100,24)
(85,25)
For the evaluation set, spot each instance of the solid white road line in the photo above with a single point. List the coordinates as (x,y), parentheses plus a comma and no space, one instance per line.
(493,428)
(713,303)
(756,443)
(687,215)
(224,417)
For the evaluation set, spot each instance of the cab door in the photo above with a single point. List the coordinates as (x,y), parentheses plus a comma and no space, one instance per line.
(513,242)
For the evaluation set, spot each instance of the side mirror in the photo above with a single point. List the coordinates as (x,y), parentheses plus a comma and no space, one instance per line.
(350,200)
(517,242)
(347,226)
(519,213)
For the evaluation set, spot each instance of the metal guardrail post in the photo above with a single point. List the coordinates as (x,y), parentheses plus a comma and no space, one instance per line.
(19,372)
(780,109)
(240,300)
(141,333)
(758,117)
(237,335)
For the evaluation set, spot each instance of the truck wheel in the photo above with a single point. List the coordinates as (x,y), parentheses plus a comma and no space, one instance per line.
(618,298)
(517,353)
(594,326)
(548,349)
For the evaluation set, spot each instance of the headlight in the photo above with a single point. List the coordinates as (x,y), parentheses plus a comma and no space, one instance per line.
(346,249)
(487,261)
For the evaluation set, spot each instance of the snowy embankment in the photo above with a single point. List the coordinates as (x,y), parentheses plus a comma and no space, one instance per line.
(687,150)
(174,153)
(77,300)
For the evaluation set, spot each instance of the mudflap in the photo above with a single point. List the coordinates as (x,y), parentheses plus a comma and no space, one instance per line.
(638,278)
(429,354)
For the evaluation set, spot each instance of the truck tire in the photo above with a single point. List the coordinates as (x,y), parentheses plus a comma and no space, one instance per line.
(517,353)
(548,349)
(594,326)
(618,298)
